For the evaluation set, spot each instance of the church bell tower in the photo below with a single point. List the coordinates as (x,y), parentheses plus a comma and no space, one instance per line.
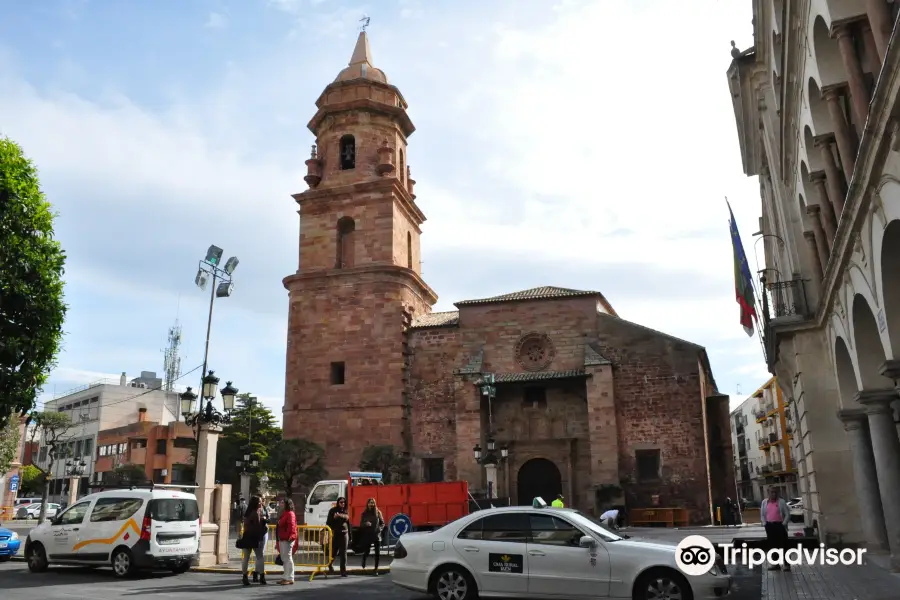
(359,279)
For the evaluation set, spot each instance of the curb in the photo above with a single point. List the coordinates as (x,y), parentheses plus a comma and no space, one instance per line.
(297,573)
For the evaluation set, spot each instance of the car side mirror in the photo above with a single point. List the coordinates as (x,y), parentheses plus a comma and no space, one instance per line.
(587,541)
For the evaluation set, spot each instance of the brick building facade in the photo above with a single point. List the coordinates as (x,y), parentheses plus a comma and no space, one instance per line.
(589,405)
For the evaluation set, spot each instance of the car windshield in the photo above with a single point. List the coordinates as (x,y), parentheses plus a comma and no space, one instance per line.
(174,509)
(595,526)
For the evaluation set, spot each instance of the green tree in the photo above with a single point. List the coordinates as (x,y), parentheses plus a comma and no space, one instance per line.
(388,461)
(29,481)
(295,465)
(32,262)
(253,430)
(51,429)
(9,442)
(126,474)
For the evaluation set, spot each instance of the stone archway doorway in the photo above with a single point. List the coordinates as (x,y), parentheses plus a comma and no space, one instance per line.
(538,477)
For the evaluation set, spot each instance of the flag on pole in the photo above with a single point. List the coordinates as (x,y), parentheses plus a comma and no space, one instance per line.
(743,281)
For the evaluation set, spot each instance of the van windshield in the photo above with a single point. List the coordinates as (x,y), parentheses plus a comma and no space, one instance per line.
(174,509)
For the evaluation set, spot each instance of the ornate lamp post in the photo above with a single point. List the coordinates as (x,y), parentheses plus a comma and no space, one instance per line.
(74,471)
(490,460)
(247,466)
(208,422)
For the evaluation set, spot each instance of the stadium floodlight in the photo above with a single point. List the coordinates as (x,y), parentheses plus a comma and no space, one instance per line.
(231,264)
(214,255)
(224,290)
(201,280)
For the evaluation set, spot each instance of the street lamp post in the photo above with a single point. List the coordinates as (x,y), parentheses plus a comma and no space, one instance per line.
(247,466)
(74,471)
(490,461)
(207,420)
(222,286)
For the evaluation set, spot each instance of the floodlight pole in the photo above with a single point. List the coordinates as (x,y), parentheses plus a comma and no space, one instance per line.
(212,300)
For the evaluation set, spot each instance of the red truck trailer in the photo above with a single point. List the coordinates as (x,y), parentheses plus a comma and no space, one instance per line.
(428,505)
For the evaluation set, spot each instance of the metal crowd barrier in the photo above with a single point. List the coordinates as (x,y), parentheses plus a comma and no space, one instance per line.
(7,513)
(314,548)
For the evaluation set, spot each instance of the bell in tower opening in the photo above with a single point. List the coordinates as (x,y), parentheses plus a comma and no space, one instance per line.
(348,152)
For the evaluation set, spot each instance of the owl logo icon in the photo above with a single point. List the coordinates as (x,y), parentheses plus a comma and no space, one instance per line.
(695,555)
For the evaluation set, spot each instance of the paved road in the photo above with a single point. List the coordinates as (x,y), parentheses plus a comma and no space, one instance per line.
(70,582)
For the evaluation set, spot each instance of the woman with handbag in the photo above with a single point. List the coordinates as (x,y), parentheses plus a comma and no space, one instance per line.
(253,540)
(287,541)
(339,522)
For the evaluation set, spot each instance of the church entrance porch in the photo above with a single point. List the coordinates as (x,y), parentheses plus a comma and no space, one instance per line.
(538,477)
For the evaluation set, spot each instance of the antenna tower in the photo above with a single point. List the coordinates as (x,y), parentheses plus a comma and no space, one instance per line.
(172,358)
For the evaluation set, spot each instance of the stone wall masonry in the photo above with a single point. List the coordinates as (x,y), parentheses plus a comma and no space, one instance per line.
(603,429)
(356,319)
(658,406)
(499,326)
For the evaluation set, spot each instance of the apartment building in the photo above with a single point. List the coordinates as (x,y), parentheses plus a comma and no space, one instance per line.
(100,406)
(165,451)
(763,432)
(816,101)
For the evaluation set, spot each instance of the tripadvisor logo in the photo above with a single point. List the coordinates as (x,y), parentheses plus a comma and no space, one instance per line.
(696,555)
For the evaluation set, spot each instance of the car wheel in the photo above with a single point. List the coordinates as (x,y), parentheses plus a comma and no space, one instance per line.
(453,583)
(37,559)
(662,584)
(123,562)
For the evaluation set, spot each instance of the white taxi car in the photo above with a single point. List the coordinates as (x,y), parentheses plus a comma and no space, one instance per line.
(128,529)
(528,552)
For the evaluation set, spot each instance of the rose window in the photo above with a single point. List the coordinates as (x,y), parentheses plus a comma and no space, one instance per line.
(534,352)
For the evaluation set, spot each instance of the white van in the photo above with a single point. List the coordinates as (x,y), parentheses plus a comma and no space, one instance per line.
(128,529)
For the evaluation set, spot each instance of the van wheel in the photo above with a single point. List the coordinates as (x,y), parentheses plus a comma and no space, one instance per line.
(182,568)
(453,583)
(123,562)
(37,559)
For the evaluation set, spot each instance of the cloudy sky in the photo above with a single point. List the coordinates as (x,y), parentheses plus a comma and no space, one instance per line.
(576,143)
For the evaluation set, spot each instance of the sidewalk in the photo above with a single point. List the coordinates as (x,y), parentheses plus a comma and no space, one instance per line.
(824,582)
(354,567)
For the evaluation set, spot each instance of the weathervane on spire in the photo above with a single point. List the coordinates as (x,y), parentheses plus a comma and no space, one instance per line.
(365,23)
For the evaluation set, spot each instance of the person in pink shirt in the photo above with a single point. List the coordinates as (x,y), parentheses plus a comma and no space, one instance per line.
(775,516)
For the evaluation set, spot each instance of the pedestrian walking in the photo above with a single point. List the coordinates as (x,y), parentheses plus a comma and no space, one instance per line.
(558,503)
(339,521)
(775,517)
(253,540)
(287,541)
(370,527)
(728,516)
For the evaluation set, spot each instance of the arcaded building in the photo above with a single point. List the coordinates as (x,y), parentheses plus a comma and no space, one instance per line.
(816,105)
(584,403)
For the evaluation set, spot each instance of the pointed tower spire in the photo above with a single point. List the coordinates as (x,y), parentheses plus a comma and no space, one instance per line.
(362,53)
(360,66)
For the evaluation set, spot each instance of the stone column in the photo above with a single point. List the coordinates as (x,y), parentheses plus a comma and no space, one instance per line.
(468,435)
(842,134)
(73,489)
(208,441)
(821,244)
(833,179)
(871,515)
(881,25)
(818,269)
(859,96)
(491,472)
(886,448)
(827,209)
(891,370)
(865,31)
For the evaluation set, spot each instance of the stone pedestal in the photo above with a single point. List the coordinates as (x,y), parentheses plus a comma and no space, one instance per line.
(73,489)
(871,514)
(206,480)
(491,473)
(886,448)
(245,486)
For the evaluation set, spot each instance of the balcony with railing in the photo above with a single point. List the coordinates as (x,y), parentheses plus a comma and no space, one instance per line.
(782,302)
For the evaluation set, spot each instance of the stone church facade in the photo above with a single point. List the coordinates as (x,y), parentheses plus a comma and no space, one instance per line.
(583,402)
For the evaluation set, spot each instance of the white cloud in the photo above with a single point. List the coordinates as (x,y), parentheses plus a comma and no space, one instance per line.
(216,20)
(584,143)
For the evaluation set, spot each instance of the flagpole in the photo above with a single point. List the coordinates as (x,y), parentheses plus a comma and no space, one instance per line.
(757,292)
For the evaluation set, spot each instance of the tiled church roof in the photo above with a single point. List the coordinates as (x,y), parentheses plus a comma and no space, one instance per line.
(539,293)
(438,319)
